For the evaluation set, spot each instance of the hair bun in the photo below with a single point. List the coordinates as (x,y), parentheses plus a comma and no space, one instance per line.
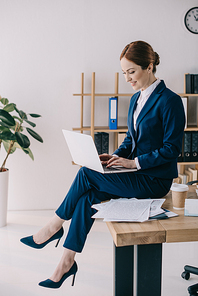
(157,59)
(142,54)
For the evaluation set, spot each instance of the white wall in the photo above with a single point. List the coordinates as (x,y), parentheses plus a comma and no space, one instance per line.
(46,44)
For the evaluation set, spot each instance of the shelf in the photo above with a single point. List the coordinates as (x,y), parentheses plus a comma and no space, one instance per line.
(124,95)
(187,163)
(194,128)
(118,130)
(97,129)
(105,95)
(188,95)
(92,129)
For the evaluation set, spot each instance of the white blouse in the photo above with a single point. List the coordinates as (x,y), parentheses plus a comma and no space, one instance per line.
(144,95)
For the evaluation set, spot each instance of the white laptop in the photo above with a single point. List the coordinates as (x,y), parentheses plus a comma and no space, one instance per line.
(83,152)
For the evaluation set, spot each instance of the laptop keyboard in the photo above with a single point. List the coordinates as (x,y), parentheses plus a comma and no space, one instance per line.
(110,169)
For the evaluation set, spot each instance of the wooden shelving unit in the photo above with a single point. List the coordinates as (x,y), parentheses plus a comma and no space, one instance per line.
(121,129)
(194,128)
(92,128)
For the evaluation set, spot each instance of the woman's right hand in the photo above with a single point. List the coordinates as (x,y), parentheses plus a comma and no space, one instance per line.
(105,158)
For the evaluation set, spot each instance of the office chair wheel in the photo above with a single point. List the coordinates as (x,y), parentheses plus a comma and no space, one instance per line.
(193,290)
(185,275)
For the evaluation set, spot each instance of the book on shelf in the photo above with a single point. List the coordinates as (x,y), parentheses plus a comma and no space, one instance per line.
(194,146)
(113,112)
(192,111)
(185,101)
(184,178)
(102,142)
(189,151)
(188,79)
(194,173)
(191,81)
(190,175)
(187,146)
(180,157)
(98,142)
(121,137)
(105,143)
(195,83)
(177,180)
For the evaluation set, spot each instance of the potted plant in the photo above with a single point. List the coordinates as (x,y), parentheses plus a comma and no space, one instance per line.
(12,127)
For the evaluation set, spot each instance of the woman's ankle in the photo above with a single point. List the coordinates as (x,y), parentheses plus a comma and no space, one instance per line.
(55,224)
(63,267)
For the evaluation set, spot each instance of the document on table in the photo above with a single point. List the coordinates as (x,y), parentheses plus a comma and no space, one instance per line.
(156,207)
(128,210)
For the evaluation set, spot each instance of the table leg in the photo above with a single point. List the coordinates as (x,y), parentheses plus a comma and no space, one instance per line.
(123,271)
(149,269)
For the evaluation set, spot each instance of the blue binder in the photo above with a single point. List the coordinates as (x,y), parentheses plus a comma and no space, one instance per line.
(113,113)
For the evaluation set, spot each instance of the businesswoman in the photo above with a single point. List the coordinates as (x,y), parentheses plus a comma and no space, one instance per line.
(152,144)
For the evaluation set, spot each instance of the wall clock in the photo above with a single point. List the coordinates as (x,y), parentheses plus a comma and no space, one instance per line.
(191,20)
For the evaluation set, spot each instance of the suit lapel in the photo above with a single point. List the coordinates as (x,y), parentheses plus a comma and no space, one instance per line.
(150,102)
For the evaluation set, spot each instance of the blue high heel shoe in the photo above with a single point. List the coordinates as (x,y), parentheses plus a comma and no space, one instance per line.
(29,241)
(55,285)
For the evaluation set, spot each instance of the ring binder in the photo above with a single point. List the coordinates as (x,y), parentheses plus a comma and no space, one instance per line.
(194,146)
(187,146)
(113,111)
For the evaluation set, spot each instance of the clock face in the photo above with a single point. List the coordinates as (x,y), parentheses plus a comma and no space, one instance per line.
(191,20)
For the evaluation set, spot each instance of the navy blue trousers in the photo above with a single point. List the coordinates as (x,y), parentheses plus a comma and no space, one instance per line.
(90,187)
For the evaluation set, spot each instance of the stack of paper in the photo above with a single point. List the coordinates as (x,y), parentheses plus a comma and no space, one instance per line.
(129,210)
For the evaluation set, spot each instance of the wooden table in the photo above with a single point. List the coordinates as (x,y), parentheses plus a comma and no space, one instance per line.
(149,237)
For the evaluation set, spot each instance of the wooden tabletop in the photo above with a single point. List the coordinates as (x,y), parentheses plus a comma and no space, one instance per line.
(176,229)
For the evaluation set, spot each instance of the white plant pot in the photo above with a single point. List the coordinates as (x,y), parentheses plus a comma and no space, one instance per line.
(4,176)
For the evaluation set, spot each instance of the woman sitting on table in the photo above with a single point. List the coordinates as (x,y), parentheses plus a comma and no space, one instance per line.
(152,144)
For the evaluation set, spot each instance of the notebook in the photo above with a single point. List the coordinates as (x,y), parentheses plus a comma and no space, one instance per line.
(83,152)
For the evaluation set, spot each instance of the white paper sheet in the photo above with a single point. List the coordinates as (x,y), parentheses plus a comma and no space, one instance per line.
(124,210)
(129,210)
(155,208)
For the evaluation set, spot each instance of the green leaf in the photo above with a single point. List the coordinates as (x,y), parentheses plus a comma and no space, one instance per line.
(6,125)
(22,114)
(7,135)
(16,109)
(9,107)
(6,145)
(35,115)
(4,129)
(23,140)
(34,135)
(4,101)
(30,123)
(17,145)
(7,118)
(19,119)
(29,152)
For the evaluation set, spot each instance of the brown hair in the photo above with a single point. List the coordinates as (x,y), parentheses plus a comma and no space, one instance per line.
(142,54)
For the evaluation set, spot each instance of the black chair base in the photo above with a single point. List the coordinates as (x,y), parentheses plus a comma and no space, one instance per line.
(193,290)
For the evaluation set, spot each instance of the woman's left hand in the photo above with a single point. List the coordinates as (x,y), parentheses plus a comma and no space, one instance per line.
(126,163)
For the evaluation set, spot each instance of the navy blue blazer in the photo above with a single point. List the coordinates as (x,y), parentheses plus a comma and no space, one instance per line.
(157,141)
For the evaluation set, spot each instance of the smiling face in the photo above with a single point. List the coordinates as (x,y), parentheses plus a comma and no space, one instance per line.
(138,78)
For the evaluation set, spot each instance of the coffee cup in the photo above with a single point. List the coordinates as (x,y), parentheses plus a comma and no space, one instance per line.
(179,194)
